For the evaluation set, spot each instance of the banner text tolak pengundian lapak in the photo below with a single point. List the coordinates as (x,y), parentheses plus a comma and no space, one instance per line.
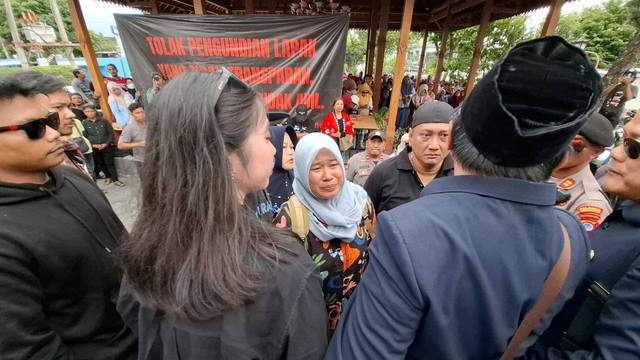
(290,59)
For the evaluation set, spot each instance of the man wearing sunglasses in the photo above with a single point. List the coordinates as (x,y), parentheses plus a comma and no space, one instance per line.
(588,202)
(58,275)
(602,321)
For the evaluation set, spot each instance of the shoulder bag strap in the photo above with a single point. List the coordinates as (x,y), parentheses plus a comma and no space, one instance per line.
(299,217)
(550,291)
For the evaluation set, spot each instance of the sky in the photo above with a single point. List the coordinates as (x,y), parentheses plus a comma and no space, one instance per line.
(99,14)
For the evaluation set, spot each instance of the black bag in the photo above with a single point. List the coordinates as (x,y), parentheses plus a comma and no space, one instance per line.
(81,141)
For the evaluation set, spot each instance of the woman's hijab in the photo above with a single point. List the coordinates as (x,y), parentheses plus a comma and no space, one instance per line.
(281,181)
(364,99)
(124,99)
(420,99)
(342,213)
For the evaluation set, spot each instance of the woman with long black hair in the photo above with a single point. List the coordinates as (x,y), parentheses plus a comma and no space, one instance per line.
(204,277)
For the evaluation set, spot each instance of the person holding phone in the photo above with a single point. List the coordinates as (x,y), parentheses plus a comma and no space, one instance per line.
(617,95)
(157,80)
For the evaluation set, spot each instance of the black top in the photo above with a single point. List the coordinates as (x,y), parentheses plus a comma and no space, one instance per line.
(307,126)
(58,281)
(98,132)
(394,182)
(286,320)
(79,114)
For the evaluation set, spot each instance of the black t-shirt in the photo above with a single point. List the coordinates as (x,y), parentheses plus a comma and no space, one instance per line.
(614,102)
(395,182)
(307,126)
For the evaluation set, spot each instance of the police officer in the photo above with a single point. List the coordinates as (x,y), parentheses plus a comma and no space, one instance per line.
(401,178)
(360,165)
(612,330)
(588,202)
(452,274)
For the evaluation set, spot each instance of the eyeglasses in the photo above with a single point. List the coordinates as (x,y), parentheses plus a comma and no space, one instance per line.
(578,145)
(631,147)
(36,129)
(225,76)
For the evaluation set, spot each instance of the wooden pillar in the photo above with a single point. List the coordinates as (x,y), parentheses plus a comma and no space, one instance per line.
(550,24)
(77,18)
(63,32)
(477,51)
(373,29)
(382,44)
(403,44)
(154,7)
(443,48)
(425,35)
(200,7)
(15,36)
(248,7)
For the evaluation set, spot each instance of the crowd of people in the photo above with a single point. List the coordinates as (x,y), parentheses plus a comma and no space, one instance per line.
(487,236)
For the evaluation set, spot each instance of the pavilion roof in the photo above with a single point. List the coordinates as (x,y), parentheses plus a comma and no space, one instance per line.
(465,13)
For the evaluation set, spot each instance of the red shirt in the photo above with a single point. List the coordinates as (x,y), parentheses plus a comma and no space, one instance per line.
(330,125)
(121,81)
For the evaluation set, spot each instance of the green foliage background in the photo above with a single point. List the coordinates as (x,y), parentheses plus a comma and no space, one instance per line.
(64,72)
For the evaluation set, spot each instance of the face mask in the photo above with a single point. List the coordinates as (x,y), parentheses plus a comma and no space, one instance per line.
(131,86)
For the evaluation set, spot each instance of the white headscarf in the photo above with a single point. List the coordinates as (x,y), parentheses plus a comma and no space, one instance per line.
(342,213)
(124,99)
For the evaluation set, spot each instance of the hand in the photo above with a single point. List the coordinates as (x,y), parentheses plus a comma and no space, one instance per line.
(336,134)
(350,140)
(96,146)
(142,144)
(138,94)
(103,146)
(625,80)
(97,94)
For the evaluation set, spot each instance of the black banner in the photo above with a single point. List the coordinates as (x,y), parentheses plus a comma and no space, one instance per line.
(290,59)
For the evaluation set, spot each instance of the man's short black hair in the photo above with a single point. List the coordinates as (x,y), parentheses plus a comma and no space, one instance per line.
(28,83)
(76,72)
(135,105)
(88,106)
(115,67)
(368,75)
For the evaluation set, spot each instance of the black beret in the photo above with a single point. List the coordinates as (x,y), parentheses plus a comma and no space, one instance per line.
(432,112)
(530,106)
(598,130)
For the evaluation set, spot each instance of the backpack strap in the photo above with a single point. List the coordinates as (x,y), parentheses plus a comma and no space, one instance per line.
(299,215)
(550,291)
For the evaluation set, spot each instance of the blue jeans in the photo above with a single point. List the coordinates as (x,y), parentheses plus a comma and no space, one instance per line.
(403,118)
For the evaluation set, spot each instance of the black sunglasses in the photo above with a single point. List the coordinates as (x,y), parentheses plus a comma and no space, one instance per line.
(631,147)
(36,129)
(225,76)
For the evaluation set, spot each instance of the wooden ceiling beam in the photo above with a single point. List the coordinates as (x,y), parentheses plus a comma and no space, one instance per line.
(455,9)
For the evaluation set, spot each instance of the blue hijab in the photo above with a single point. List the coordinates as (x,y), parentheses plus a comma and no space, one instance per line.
(342,213)
(280,186)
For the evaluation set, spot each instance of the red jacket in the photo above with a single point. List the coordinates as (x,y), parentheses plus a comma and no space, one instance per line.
(330,125)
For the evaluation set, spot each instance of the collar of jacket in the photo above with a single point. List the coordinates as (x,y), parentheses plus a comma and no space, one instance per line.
(405,164)
(515,190)
(631,213)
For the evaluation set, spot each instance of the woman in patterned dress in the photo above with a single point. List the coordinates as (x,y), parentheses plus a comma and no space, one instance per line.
(333,218)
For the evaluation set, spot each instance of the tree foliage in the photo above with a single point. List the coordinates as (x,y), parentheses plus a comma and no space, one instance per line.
(607,28)
(102,43)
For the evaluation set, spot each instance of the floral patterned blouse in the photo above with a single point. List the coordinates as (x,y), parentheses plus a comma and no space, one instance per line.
(341,264)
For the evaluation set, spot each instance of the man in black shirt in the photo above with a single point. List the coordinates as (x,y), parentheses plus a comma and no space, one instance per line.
(401,178)
(301,122)
(615,97)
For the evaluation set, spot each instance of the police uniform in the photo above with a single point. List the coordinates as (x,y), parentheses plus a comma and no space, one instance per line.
(588,202)
(452,274)
(360,165)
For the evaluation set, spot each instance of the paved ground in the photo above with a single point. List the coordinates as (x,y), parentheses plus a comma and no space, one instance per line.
(124,200)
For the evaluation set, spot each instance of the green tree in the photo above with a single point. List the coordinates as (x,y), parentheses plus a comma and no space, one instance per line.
(356,51)
(630,56)
(607,28)
(43,11)
(101,43)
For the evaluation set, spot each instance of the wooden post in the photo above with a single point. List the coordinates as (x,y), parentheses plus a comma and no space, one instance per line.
(373,29)
(382,43)
(15,36)
(443,48)
(154,7)
(200,7)
(248,7)
(62,31)
(477,51)
(405,30)
(553,17)
(77,18)
(422,53)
